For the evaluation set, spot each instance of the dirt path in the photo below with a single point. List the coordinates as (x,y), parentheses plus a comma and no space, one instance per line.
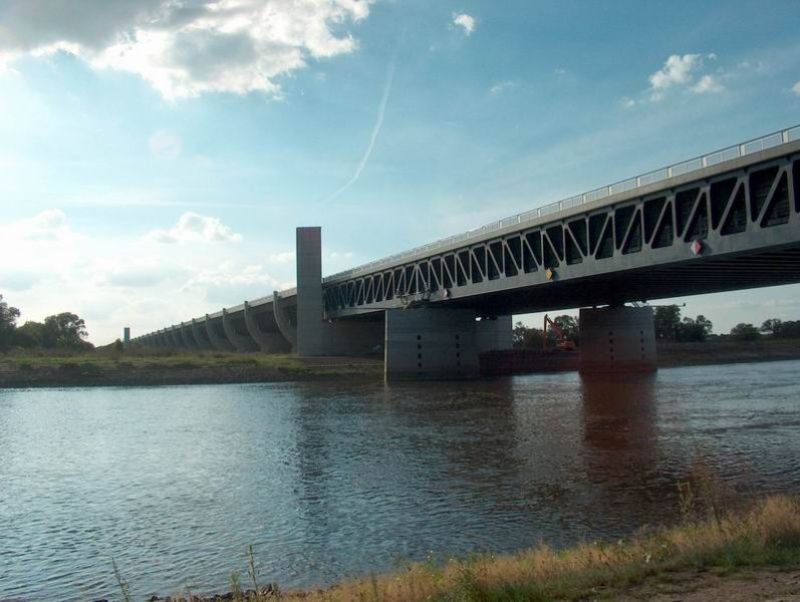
(771,585)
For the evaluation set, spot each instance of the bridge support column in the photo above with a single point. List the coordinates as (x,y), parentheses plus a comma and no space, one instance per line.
(219,340)
(270,341)
(242,342)
(310,337)
(354,337)
(201,336)
(188,337)
(283,321)
(430,343)
(176,338)
(495,334)
(617,339)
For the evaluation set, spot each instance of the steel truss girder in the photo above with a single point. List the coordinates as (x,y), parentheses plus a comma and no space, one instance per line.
(747,210)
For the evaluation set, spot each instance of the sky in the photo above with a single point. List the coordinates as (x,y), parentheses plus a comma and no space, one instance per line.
(156,156)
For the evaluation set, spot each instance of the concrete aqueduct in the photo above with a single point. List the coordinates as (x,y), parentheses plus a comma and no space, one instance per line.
(725,221)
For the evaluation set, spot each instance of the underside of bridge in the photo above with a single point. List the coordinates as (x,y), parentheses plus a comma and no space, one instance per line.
(728,273)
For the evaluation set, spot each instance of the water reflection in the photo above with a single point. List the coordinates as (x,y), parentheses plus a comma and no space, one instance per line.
(619,432)
(329,480)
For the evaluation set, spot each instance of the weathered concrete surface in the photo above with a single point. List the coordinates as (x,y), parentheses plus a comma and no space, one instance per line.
(430,344)
(310,338)
(494,334)
(218,339)
(269,340)
(353,337)
(201,336)
(283,321)
(617,339)
(237,338)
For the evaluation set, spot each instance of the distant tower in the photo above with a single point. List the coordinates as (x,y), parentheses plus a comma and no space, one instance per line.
(126,335)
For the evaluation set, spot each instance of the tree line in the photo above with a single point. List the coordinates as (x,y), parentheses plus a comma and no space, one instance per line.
(60,331)
(669,326)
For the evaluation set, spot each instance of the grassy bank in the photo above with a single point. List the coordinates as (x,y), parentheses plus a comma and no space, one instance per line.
(765,535)
(156,367)
(32,368)
(727,352)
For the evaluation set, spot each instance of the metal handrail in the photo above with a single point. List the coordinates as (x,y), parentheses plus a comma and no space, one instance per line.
(676,169)
(743,149)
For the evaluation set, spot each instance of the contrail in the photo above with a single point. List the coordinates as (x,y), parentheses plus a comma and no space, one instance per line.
(387,88)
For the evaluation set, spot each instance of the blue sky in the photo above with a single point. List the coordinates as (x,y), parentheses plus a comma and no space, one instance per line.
(156,156)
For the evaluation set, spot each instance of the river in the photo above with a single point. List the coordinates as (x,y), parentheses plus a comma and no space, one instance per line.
(328,480)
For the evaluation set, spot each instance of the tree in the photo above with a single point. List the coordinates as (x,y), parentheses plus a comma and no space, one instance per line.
(8,322)
(569,326)
(705,324)
(696,330)
(524,337)
(789,330)
(667,321)
(772,326)
(64,330)
(29,335)
(745,332)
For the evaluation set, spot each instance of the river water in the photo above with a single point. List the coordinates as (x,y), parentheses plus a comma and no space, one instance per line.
(328,480)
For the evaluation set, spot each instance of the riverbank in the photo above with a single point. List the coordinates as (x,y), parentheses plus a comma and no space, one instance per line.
(744,555)
(132,367)
(727,352)
(670,354)
(147,367)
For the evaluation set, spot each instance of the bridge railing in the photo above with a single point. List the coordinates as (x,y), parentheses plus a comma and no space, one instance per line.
(551,210)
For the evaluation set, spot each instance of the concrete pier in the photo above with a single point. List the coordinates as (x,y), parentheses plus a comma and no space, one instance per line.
(494,334)
(264,331)
(284,321)
(617,339)
(185,332)
(310,338)
(238,338)
(216,335)
(201,336)
(428,343)
(175,338)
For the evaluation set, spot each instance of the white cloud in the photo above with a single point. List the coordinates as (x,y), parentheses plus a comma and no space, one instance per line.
(228,284)
(677,70)
(501,87)
(707,84)
(184,49)
(195,228)
(165,145)
(796,88)
(681,72)
(115,278)
(465,21)
(283,257)
(627,103)
(46,227)
(560,71)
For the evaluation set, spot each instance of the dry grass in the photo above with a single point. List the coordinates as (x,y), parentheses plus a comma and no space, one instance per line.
(766,534)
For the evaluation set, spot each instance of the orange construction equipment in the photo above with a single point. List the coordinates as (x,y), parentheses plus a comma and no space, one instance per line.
(562,342)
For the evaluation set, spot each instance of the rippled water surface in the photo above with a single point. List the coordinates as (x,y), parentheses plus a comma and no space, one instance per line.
(327,480)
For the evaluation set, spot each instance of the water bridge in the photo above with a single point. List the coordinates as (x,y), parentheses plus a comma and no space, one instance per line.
(727,220)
